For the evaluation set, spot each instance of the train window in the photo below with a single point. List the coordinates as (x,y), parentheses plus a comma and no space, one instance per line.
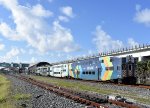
(118,68)
(106,68)
(111,60)
(123,60)
(130,67)
(110,68)
(86,72)
(89,72)
(135,60)
(93,73)
(56,72)
(123,67)
(83,72)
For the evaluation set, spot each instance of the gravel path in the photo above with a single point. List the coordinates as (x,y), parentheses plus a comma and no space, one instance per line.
(39,98)
(126,90)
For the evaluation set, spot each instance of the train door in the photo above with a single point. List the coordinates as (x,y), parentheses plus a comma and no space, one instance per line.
(128,73)
(131,69)
(128,70)
(99,73)
(124,70)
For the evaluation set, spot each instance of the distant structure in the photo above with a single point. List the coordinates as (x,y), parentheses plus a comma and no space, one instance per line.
(3,65)
(32,68)
(21,67)
(141,52)
(15,65)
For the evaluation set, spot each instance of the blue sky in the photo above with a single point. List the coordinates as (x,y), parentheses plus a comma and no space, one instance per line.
(56,30)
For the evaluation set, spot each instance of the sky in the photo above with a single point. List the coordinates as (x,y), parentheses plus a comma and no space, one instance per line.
(55,30)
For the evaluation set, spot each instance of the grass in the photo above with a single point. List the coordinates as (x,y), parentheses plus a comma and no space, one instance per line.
(4,86)
(74,85)
(5,101)
(22,96)
(82,87)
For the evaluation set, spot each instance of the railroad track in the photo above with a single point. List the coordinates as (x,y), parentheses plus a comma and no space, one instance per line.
(90,100)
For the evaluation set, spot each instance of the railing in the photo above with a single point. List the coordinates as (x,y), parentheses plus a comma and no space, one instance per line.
(109,53)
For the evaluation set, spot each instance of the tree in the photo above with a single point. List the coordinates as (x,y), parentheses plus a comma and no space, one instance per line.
(141,70)
(148,67)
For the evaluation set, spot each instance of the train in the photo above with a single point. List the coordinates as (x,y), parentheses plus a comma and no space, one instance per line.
(108,68)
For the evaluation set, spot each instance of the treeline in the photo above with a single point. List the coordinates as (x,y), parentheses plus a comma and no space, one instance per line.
(143,71)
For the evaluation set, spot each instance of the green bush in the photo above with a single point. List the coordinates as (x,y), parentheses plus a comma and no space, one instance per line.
(143,70)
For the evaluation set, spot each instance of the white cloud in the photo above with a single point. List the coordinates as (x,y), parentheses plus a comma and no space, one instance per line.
(31,51)
(63,18)
(137,7)
(33,60)
(69,57)
(7,32)
(32,27)
(38,10)
(14,52)
(142,15)
(67,10)
(104,42)
(132,43)
(47,0)
(51,55)
(50,1)
(23,51)
(17,60)
(90,52)
(62,36)
(2,46)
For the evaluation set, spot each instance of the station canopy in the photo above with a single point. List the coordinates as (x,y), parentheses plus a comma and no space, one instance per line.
(42,64)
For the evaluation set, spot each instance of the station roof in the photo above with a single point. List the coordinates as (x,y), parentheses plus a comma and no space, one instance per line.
(42,64)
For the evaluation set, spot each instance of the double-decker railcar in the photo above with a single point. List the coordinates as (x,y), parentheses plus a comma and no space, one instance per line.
(111,68)
(42,70)
(89,69)
(105,68)
(99,68)
(60,70)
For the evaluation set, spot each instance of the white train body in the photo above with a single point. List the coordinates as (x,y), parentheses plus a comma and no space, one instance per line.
(60,70)
(43,70)
(37,72)
(50,71)
(65,70)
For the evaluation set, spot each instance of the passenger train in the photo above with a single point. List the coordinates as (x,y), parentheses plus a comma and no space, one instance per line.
(106,68)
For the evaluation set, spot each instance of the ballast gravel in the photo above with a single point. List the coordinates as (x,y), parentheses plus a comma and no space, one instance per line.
(40,98)
(128,90)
